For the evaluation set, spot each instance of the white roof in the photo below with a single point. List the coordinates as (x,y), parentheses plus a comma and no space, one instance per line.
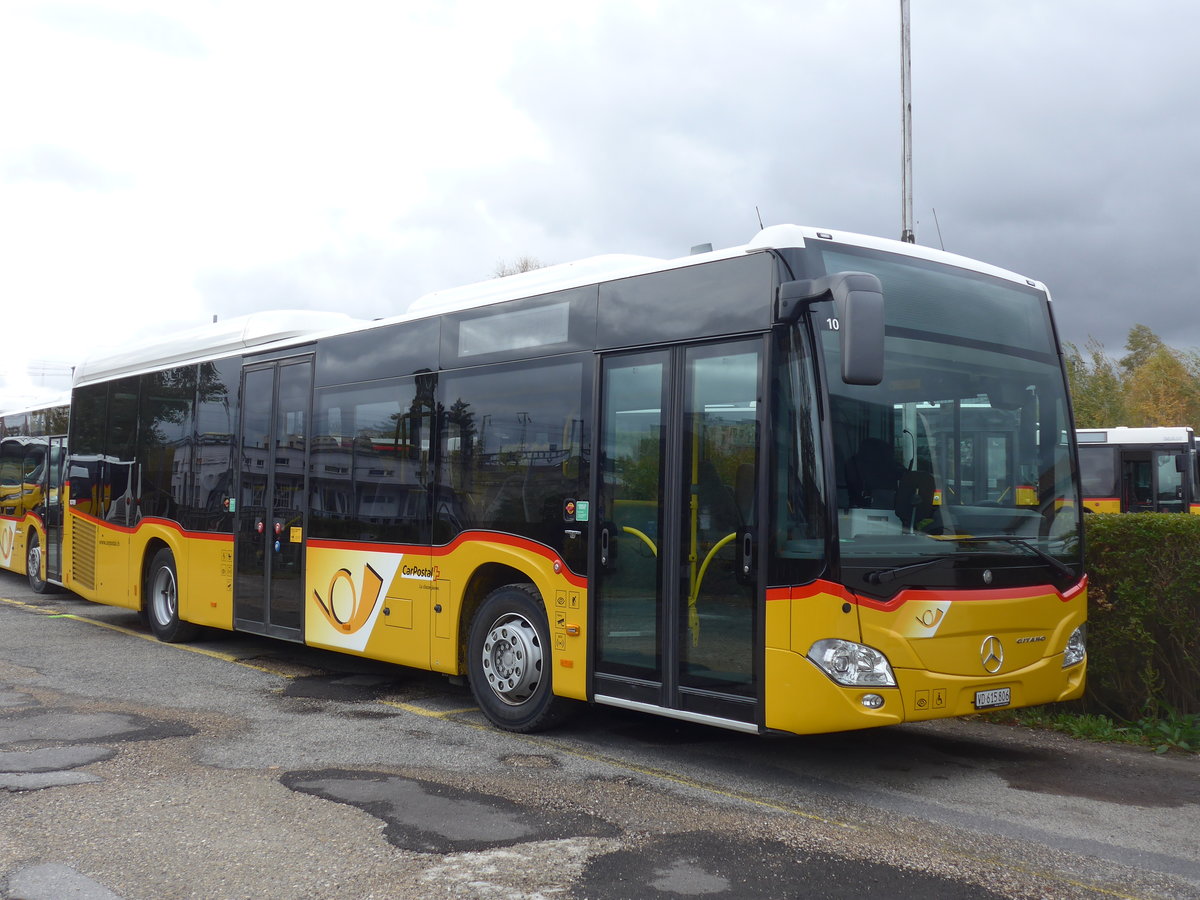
(614,266)
(1120,434)
(209,342)
(49,402)
(286,327)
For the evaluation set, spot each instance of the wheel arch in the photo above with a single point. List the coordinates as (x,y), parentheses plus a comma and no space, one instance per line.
(149,551)
(485,579)
(32,527)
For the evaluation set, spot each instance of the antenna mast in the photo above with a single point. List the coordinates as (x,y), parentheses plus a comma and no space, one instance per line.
(906,233)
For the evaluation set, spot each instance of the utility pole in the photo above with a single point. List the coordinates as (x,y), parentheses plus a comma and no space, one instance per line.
(906,232)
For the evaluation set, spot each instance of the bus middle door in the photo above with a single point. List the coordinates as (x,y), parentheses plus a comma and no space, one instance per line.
(270,522)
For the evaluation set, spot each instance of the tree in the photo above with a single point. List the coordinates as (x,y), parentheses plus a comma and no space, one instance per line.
(1141,344)
(1152,384)
(1097,389)
(1161,391)
(522,264)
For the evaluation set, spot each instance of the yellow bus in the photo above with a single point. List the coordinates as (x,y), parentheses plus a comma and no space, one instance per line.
(32,453)
(1139,469)
(725,488)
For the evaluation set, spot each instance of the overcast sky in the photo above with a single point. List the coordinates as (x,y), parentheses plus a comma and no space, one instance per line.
(162,163)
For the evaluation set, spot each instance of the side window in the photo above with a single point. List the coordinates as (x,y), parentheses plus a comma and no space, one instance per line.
(798,508)
(89,406)
(117,472)
(513,450)
(164,439)
(11,455)
(370,462)
(211,457)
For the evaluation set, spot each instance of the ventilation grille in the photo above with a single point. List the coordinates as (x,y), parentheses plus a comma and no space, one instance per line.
(83,552)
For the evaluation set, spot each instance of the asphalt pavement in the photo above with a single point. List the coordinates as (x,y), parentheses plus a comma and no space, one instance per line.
(238,767)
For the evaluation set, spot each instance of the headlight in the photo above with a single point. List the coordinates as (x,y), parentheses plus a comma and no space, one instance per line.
(851,664)
(1076,647)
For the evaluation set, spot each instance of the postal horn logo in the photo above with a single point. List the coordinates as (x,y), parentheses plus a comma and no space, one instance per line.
(931,617)
(346,608)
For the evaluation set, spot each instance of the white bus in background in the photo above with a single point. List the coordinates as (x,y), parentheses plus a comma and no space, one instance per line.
(1139,469)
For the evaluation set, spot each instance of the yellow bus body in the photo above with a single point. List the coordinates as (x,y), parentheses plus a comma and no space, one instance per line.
(933,640)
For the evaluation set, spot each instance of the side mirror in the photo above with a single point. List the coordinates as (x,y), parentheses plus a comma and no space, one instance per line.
(859,300)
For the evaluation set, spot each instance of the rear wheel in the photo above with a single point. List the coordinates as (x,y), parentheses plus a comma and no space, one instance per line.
(33,565)
(162,601)
(508,658)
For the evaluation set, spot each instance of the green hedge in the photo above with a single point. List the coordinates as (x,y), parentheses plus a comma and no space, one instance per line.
(1143,614)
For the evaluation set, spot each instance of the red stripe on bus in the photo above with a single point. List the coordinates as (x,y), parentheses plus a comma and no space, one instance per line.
(913,595)
(916,595)
(493,537)
(154,520)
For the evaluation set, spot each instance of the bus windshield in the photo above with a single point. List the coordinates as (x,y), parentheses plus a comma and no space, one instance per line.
(961,459)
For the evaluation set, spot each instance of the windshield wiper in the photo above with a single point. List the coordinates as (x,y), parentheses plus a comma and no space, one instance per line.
(883,576)
(1056,564)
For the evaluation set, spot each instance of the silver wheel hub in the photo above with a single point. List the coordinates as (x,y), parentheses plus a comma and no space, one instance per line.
(164,598)
(512,659)
(33,562)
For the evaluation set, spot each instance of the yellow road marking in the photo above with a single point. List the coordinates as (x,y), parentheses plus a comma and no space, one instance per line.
(132,632)
(430,713)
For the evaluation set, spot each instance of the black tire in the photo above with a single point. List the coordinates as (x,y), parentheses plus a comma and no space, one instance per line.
(33,565)
(161,601)
(508,660)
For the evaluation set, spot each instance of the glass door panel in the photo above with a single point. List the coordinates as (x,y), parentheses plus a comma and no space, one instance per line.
(630,514)
(720,450)
(250,583)
(676,592)
(271,510)
(1168,482)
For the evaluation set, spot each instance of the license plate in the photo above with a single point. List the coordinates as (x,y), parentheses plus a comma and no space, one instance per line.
(989,699)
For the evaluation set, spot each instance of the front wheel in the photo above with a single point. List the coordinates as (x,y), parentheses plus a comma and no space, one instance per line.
(33,565)
(508,659)
(162,601)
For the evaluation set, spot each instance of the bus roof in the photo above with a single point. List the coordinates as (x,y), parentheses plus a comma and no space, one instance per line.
(613,266)
(27,406)
(211,341)
(259,330)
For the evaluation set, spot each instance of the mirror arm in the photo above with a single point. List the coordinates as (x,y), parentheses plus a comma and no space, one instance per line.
(859,300)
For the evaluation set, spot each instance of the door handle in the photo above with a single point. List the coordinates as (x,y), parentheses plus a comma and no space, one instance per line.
(747,552)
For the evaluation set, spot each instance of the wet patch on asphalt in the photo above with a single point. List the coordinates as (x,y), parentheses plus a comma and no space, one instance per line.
(704,864)
(1111,784)
(342,688)
(428,817)
(43,747)
(69,726)
(1073,774)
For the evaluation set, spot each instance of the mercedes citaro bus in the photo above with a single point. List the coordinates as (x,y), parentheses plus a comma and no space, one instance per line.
(742,487)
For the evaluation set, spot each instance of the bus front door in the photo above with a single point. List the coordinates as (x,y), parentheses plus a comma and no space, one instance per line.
(270,519)
(52,510)
(677,604)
